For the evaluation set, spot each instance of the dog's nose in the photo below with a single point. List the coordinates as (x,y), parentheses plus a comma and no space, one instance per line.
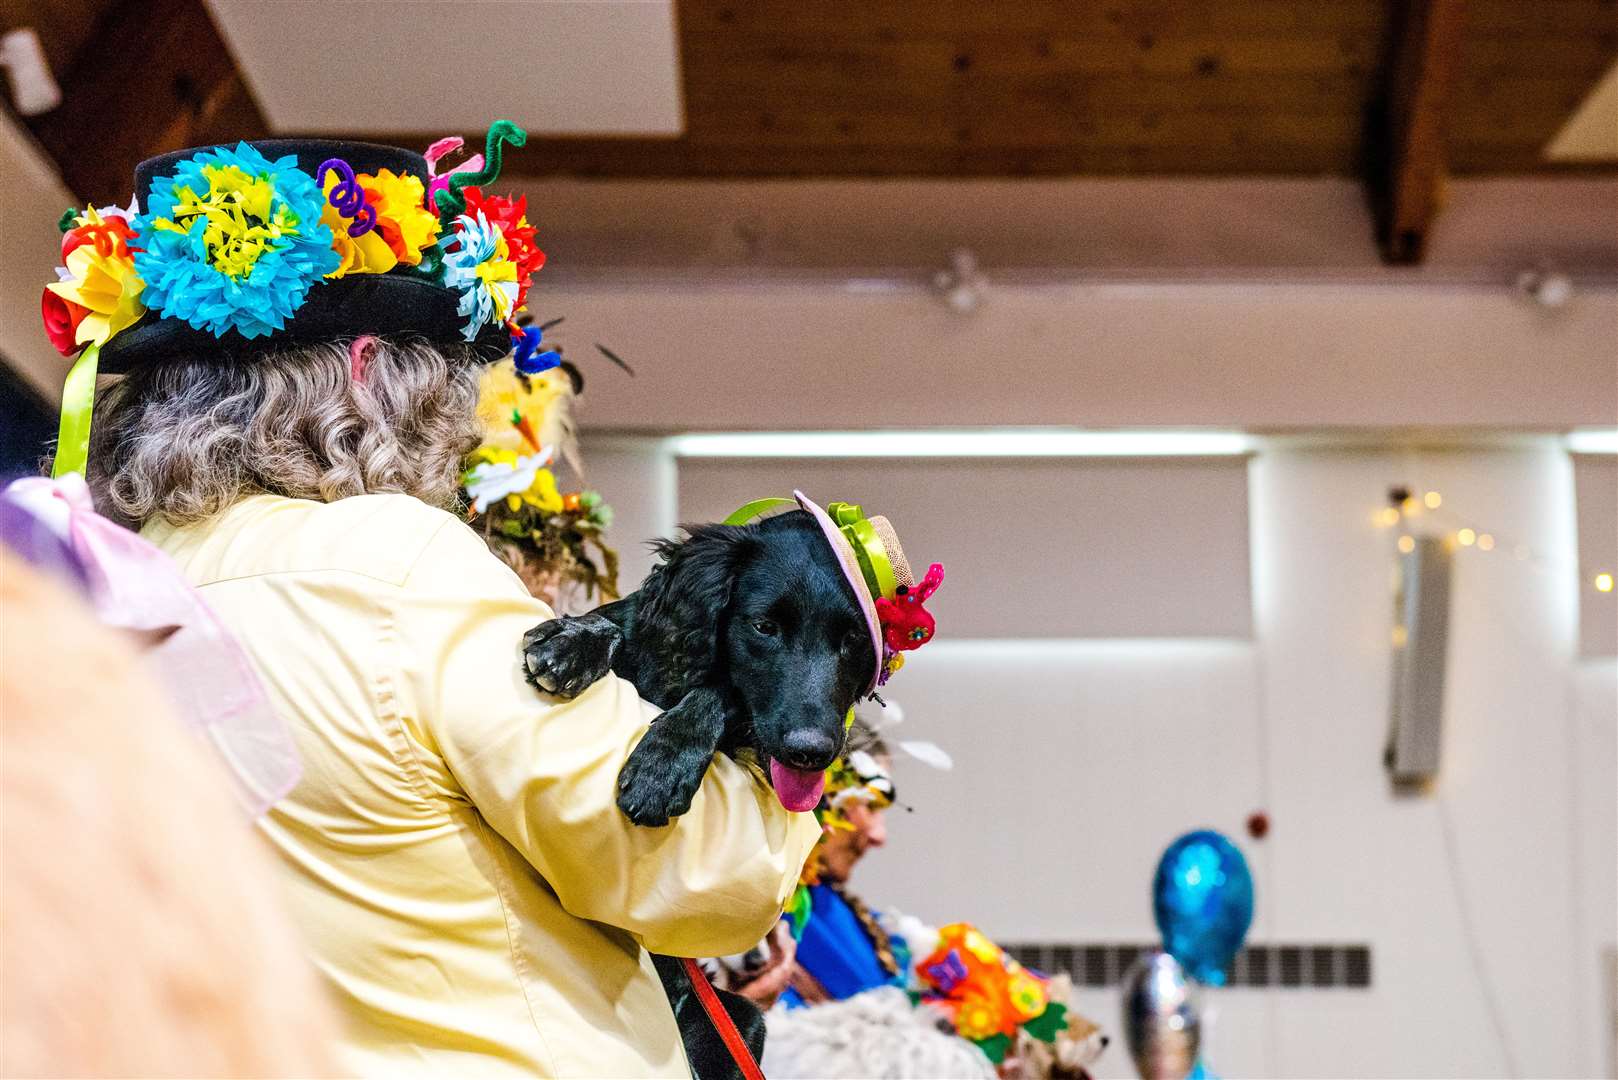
(808,748)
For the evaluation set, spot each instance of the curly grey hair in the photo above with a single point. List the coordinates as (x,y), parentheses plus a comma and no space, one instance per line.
(184,438)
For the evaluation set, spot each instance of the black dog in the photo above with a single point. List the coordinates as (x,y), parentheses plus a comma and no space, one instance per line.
(747,636)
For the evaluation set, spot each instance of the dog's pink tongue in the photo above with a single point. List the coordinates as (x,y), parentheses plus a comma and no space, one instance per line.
(798,789)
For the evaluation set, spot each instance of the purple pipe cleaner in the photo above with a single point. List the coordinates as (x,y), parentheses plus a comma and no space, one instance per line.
(347,197)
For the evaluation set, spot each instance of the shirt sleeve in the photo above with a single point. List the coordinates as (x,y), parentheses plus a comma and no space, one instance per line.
(543,772)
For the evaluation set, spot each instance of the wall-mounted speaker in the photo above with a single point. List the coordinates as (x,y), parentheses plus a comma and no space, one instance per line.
(1420,645)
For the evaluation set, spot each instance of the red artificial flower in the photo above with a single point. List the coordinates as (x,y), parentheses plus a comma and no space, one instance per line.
(510,216)
(62,318)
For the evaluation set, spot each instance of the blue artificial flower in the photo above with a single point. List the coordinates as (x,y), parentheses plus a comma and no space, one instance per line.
(481,270)
(232,240)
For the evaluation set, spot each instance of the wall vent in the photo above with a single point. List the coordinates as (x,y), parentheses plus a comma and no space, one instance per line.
(1295,966)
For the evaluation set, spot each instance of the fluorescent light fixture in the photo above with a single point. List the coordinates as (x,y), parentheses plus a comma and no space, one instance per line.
(977,442)
(1593,441)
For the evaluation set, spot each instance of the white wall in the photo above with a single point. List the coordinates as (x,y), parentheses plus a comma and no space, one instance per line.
(1080,759)
(31,199)
(1281,355)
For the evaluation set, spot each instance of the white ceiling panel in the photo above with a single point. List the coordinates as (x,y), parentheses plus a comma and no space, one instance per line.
(554,67)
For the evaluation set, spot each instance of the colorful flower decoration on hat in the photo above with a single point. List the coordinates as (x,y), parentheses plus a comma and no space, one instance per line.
(439,181)
(353,222)
(480,269)
(401,214)
(518,479)
(232,240)
(510,216)
(985,994)
(511,483)
(99,292)
(906,624)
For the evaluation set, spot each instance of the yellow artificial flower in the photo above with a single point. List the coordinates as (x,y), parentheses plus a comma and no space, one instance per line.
(491,455)
(368,253)
(1027,994)
(237,208)
(499,277)
(981,947)
(106,285)
(542,494)
(977,1019)
(401,217)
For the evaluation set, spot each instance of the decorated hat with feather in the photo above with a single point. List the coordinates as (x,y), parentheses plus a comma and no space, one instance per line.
(550,537)
(228,251)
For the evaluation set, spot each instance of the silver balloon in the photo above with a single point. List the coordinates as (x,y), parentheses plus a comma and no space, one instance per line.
(1161,1020)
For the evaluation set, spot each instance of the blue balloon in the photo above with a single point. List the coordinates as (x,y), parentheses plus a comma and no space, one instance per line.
(1202,897)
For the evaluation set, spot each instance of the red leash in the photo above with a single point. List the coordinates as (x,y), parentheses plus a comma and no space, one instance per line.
(722,1021)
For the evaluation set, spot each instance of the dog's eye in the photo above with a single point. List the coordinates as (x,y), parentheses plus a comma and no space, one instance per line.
(854,638)
(766,627)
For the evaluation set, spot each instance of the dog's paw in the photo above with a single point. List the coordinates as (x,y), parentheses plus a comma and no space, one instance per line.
(566,656)
(656,783)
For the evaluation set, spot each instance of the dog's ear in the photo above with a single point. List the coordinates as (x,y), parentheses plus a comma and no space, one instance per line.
(685,597)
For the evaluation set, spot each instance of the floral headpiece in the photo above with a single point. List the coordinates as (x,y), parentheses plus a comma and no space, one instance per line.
(227,250)
(510,481)
(985,994)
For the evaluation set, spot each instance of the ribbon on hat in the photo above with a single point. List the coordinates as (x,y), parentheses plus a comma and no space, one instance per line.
(78,401)
(756,509)
(875,565)
(868,548)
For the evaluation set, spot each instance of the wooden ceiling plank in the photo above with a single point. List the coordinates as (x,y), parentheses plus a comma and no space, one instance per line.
(1406,162)
(167,83)
(912,19)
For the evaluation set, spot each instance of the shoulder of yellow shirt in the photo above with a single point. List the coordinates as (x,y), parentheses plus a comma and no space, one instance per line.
(385,537)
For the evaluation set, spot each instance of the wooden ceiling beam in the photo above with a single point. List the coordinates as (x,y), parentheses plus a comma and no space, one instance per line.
(1406,160)
(155,76)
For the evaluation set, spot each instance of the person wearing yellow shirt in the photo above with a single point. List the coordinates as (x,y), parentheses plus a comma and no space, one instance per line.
(453,855)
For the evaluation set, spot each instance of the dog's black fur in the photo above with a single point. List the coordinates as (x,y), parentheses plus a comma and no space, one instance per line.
(747,636)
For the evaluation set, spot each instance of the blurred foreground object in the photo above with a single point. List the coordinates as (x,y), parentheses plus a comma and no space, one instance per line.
(143,933)
(33,89)
(134,588)
(875,1033)
(1161,1018)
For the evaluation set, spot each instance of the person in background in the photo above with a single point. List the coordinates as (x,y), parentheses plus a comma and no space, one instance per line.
(877,993)
(843,948)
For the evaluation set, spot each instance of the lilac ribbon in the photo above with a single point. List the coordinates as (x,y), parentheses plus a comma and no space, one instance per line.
(134,587)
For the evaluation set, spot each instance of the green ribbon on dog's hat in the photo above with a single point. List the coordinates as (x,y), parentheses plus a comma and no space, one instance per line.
(875,565)
(868,548)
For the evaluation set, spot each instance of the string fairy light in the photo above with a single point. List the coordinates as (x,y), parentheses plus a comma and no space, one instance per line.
(1402,505)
